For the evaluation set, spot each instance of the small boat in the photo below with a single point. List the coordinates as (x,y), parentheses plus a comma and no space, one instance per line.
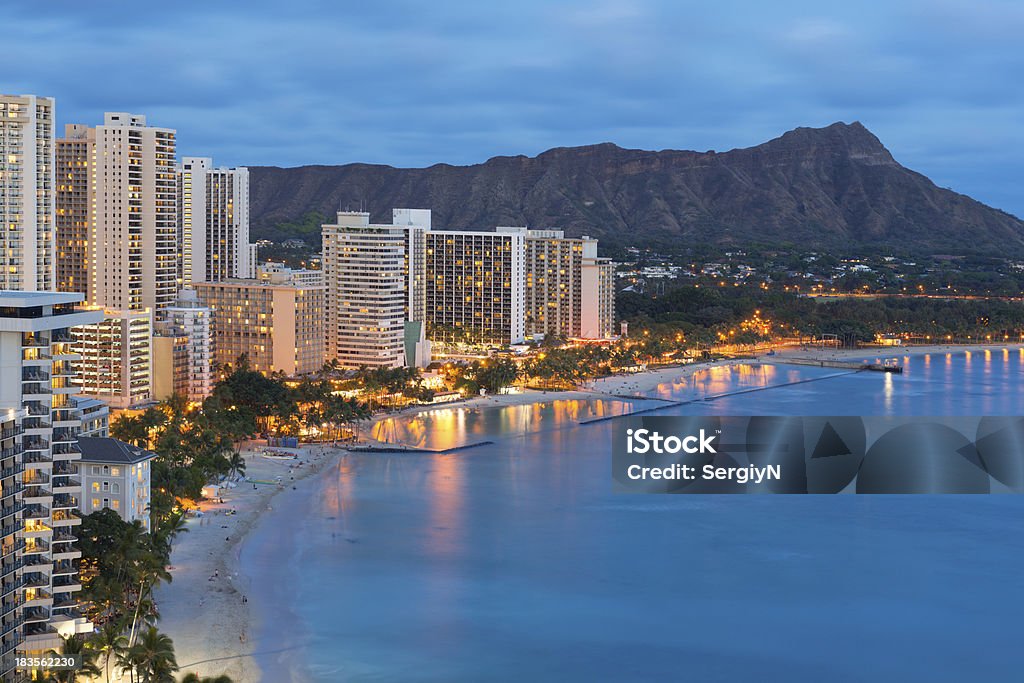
(770,353)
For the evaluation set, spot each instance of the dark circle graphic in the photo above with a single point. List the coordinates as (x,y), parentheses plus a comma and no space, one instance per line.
(922,458)
(1000,448)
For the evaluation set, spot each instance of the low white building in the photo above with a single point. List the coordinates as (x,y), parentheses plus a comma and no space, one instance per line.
(115,475)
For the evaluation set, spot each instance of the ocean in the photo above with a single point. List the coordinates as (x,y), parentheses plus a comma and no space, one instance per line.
(514,560)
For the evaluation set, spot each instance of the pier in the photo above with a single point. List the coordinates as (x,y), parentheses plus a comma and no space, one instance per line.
(384,448)
(845,364)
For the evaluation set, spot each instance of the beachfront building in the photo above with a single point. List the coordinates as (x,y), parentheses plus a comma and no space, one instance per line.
(568,291)
(213,222)
(183,349)
(26,192)
(364,268)
(12,468)
(37,367)
(116,361)
(278,323)
(116,476)
(475,287)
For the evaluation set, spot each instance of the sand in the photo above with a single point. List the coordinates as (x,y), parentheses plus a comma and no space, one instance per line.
(202,609)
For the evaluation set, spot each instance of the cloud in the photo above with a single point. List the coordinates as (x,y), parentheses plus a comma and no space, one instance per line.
(412,84)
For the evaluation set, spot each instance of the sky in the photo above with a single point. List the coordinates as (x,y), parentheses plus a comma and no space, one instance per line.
(412,83)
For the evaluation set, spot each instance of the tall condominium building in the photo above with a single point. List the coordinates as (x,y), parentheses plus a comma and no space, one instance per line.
(213,222)
(118,181)
(565,293)
(365,272)
(278,325)
(133,245)
(12,471)
(26,192)
(37,365)
(74,154)
(116,364)
(475,287)
(193,378)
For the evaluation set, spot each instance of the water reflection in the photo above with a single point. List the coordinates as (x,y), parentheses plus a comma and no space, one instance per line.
(449,427)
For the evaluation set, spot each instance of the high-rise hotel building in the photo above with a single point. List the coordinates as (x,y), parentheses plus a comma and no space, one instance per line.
(74,153)
(213,223)
(119,182)
(277,321)
(133,245)
(569,290)
(366,299)
(26,192)
(37,364)
(475,287)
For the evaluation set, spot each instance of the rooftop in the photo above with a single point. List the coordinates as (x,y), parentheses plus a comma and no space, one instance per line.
(105,450)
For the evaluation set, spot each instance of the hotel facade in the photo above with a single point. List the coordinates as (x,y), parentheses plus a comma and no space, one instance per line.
(366,298)
(277,323)
(37,367)
(119,182)
(26,192)
(213,223)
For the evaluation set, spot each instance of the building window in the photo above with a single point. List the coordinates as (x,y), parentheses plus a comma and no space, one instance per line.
(117,504)
(106,502)
(96,487)
(106,486)
(95,503)
(115,471)
(115,488)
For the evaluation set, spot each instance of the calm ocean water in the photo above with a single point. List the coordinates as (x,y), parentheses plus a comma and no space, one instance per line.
(515,561)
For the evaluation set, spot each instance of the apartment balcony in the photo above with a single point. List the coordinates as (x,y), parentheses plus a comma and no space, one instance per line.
(66,584)
(33,374)
(64,436)
(37,562)
(36,409)
(65,484)
(63,469)
(63,568)
(35,511)
(31,391)
(35,424)
(35,580)
(65,517)
(40,458)
(35,615)
(35,494)
(38,598)
(64,502)
(67,451)
(35,550)
(35,444)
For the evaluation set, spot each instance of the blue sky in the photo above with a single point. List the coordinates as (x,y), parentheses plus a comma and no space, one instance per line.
(415,83)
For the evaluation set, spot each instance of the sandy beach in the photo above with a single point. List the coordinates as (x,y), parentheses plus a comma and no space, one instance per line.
(205,609)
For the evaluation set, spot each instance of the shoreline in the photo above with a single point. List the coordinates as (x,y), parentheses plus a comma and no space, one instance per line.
(206,568)
(204,609)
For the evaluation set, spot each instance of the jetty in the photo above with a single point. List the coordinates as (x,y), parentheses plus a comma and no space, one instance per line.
(384,448)
(844,364)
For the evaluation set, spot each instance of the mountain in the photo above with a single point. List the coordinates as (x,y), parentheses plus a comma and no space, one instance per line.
(836,187)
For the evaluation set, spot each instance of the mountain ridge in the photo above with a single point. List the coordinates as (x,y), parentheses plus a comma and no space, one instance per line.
(823,188)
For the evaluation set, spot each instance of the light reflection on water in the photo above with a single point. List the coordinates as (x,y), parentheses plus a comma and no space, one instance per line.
(455,426)
(514,561)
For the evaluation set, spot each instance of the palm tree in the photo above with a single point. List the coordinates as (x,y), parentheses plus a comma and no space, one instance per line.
(237,464)
(152,658)
(192,677)
(130,429)
(108,643)
(76,645)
